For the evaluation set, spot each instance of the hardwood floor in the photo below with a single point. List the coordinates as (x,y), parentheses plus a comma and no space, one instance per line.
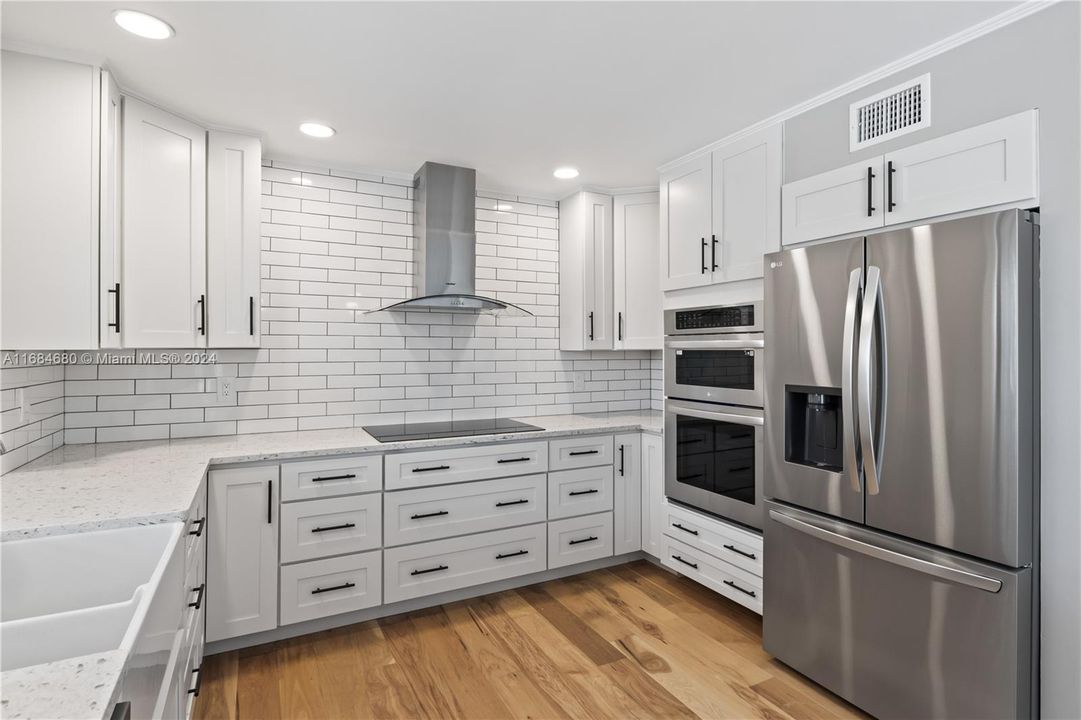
(632,641)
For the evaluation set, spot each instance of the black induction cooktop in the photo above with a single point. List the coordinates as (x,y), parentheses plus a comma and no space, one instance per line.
(454,428)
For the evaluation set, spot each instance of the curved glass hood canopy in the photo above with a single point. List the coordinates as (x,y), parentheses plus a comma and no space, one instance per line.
(444,228)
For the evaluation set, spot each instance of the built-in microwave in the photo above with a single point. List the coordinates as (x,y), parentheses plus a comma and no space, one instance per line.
(715,354)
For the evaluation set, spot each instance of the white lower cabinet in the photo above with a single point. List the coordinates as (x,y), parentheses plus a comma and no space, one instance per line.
(579,492)
(331,526)
(332,586)
(242,557)
(732,544)
(580,451)
(718,575)
(579,539)
(432,567)
(330,477)
(653,498)
(627,494)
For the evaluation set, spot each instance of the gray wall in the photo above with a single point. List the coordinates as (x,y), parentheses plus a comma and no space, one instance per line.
(1035,62)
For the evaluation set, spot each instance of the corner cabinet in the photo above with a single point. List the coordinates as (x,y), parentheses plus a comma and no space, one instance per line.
(653,499)
(637,282)
(720,213)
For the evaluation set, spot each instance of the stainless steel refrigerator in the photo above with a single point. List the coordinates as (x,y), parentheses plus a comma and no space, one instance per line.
(902,467)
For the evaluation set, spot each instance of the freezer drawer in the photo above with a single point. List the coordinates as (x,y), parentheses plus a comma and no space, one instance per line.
(899,629)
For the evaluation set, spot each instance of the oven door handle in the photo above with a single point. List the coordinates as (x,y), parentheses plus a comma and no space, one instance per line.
(674,406)
(747,344)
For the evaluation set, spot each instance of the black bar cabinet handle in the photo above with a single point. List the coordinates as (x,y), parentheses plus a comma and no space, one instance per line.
(251,314)
(202,314)
(731,584)
(737,551)
(269,501)
(437,513)
(713,252)
(513,460)
(572,493)
(890,204)
(620,332)
(591,538)
(685,529)
(574,453)
(685,562)
(590,325)
(347,476)
(198,682)
(200,522)
(621,468)
(870,191)
(343,586)
(503,556)
(433,467)
(198,596)
(328,528)
(703,255)
(429,570)
(511,502)
(116,289)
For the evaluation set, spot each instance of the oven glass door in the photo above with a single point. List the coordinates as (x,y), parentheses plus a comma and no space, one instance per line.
(725,370)
(714,459)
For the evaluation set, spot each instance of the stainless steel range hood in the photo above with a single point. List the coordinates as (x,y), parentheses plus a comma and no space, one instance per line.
(444,231)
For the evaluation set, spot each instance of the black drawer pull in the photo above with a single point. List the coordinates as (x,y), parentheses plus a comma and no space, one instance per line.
(348,476)
(510,460)
(198,597)
(574,453)
(198,682)
(737,551)
(511,502)
(685,562)
(327,528)
(200,522)
(502,556)
(591,538)
(437,513)
(685,529)
(343,586)
(434,467)
(429,570)
(572,493)
(731,584)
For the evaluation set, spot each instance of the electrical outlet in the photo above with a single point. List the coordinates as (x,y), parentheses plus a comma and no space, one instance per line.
(225,389)
(579,381)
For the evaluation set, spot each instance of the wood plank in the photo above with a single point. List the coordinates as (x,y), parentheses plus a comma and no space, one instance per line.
(300,684)
(217,692)
(573,628)
(645,691)
(257,693)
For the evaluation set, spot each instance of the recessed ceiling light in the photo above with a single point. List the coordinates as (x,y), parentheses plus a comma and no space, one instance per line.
(318,130)
(143,25)
(566,173)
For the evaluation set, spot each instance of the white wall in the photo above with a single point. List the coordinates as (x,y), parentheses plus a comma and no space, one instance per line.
(1035,62)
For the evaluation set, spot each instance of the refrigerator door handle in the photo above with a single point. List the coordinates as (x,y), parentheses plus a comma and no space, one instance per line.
(871,305)
(944,572)
(848,389)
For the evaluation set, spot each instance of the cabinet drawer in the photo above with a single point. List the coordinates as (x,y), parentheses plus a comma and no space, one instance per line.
(451,465)
(321,588)
(439,512)
(579,492)
(194,596)
(433,567)
(725,578)
(579,452)
(191,673)
(195,529)
(732,544)
(331,526)
(308,479)
(579,539)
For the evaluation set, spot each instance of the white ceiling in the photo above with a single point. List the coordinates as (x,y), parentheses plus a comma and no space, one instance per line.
(512,89)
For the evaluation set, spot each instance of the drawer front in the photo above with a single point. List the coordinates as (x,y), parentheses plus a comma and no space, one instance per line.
(430,513)
(195,529)
(579,492)
(732,544)
(321,588)
(331,526)
(417,570)
(191,672)
(451,465)
(331,477)
(722,577)
(579,452)
(579,539)
(194,596)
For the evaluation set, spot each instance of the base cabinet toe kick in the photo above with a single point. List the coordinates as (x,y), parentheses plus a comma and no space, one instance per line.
(300,546)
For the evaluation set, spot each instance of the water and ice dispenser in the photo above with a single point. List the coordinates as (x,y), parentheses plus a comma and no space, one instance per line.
(813,432)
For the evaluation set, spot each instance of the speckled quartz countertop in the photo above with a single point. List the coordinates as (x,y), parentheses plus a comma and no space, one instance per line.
(78,488)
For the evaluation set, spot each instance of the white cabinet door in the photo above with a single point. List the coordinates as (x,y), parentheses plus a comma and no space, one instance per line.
(233,185)
(637,279)
(242,552)
(746,205)
(49,254)
(164,226)
(845,200)
(990,164)
(685,225)
(597,272)
(653,500)
(109,290)
(628,494)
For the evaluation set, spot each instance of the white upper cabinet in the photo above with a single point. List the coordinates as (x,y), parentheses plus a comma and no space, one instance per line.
(109,293)
(840,201)
(164,229)
(720,212)
(232,239)
(49,254)
(638,302)
(585,272)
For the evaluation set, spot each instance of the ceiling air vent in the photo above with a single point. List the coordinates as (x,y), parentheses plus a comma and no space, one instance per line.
(890,113)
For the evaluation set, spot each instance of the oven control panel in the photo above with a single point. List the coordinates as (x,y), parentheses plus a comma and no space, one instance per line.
(715,318)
